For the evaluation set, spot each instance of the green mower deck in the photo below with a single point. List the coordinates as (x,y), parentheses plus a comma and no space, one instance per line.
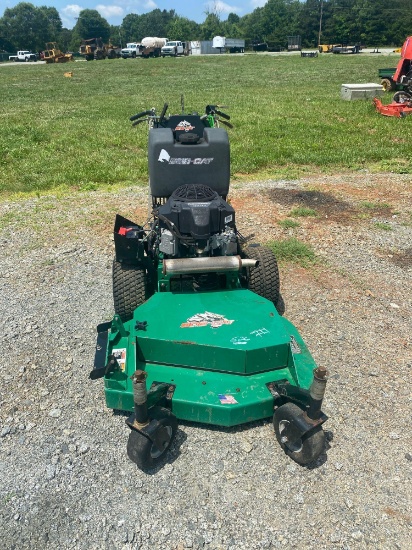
(222,374)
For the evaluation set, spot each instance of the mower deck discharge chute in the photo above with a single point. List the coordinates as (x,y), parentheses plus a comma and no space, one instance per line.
(197,335)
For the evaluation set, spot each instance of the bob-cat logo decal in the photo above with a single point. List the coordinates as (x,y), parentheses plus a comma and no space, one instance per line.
(165,157)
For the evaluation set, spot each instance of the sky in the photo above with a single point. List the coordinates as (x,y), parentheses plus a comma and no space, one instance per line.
(115,10)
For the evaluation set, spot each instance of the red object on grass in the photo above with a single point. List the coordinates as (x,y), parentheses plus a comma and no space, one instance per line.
(399,110)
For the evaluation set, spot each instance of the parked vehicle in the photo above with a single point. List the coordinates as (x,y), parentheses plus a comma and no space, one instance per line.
(233,45)
(346,49)
(173,48)
(132,50)
(23,55)
(152,46)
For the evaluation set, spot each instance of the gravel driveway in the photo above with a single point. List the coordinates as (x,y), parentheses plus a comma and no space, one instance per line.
(66,481)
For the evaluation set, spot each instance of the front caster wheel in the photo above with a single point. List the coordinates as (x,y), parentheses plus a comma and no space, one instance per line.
(142,451)
(303,450)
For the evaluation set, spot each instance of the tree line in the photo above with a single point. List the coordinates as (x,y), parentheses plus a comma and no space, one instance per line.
(368,22)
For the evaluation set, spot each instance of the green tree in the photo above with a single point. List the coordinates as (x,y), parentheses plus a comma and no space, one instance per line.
(90,24)
(28,27)
(64,39)
(181,28)
(211,27)
(53,22)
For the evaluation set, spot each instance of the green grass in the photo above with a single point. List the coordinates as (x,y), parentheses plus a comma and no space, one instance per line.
(288,224)
(293,250)
(368,205)
(383,226)
(289,120)
(303,212)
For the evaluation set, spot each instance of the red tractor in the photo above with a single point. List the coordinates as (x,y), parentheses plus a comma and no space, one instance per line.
(402,100)
(403,73)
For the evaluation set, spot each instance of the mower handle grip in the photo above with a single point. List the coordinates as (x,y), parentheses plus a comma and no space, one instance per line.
(139,115)
(136,122)
(224,115)
(226,123)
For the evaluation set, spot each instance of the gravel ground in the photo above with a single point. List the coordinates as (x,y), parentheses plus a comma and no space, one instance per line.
(66,481)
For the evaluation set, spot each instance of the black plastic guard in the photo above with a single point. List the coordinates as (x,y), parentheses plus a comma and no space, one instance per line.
(128,250)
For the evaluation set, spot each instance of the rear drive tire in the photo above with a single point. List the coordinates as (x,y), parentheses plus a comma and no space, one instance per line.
(263,279)
(130,289)
(402,97)
(305,450)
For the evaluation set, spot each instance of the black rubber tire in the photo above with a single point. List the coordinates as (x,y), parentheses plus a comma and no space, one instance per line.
(263,279)
(387,84)
(312,444)
(402,97)
(130,289)
(140,448)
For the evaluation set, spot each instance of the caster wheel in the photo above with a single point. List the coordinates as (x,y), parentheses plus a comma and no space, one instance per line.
(142,451)
(306,449)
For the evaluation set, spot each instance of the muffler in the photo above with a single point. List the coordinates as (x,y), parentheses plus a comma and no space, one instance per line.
(182,266)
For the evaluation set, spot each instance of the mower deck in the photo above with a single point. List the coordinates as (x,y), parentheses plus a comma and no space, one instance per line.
(219,351)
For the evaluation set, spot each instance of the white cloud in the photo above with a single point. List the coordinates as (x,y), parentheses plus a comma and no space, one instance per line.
(112,12)
(109,11)
(72,10)
(69,14)
(137,6)
(219,7)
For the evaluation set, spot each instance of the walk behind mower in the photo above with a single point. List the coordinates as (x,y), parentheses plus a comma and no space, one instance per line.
(196,334)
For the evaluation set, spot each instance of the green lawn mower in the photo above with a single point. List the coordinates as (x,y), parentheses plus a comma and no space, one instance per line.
(198,333)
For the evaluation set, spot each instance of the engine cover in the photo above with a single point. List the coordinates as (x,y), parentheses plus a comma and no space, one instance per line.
(197,211)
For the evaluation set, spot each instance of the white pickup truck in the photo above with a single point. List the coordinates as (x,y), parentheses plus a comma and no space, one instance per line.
(173,47)
(132,49)
(23,55)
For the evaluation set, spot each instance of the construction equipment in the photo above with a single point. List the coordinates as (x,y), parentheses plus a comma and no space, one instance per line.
(326,48)
(197,334)
(52,54)
(94,48)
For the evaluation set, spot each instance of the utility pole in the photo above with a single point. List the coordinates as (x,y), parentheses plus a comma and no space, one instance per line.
(320,22)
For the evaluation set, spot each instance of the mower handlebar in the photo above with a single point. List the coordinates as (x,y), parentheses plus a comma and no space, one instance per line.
(140,115)
(136,122)
(224,115)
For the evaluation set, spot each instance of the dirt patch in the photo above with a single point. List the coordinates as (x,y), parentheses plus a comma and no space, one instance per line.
(325,204)
(402,259)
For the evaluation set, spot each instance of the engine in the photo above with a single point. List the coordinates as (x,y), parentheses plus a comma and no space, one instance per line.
(196,221)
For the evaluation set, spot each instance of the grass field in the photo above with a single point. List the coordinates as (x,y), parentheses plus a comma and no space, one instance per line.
(289,120)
